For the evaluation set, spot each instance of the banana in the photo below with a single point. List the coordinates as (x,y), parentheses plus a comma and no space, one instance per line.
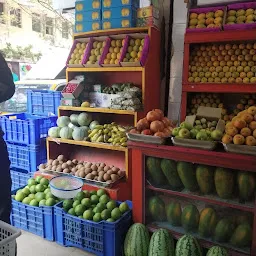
(100,139)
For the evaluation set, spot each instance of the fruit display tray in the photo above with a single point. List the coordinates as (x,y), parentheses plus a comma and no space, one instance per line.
(199,144)
(205,10)
(240,149)
(238,7)
(87,181)
(146,138)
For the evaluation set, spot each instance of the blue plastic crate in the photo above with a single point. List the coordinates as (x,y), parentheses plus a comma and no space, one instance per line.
(27,157)
(19,178)
(43,102)
(25,128)
(37,220)
(102,238)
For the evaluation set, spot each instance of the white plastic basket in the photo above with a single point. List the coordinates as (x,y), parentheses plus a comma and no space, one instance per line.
(8,235)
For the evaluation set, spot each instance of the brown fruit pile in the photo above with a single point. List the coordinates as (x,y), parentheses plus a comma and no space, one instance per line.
(91,171)
(242,129)
(223,63)
(206,20)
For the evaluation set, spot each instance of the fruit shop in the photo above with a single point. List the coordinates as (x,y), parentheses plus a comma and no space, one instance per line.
(113,174)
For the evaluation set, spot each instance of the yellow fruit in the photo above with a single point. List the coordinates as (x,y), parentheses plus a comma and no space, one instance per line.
(218,20)
(249,12)
(136,48)
(193,15)
(136,60)
(139,54)
(118,43)
(131,60)
(106,61)
(78,45)
(201,16)
(250,18)
(92,52)
(128,56)
(138,42)
(113,55)
(133,54)
(125,60)
(202,21)
(193,22)
(97,52)
(231,19)
(116,61)
(76,51)
(219,13)
(132,42)
(116,49)
(99,45)
(232,13)
(241,19)
(112,61)
(240,12)
(118,56)
(101,50)
(130,48)
(209,15)
(93,58)
(95,44)
(141,48)
(77,56)
(109,56)
(113,43)
(71,62)
(111,49)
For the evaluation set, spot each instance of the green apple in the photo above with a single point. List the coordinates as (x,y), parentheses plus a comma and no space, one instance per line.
(203,121)
(186,125)
(193,133)
(175,131)
(202,135)
(184,133)
(198,122)
(216,135)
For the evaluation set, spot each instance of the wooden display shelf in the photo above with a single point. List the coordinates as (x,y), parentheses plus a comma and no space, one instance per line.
(222,36)
(207,198)
(219,88)
(106,69)
(178,232)
(88,144)
(112,32)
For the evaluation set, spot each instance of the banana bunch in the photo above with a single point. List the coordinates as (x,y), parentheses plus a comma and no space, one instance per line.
(109,133)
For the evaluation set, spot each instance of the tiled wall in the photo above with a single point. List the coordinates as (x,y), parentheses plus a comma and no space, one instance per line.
(179,25)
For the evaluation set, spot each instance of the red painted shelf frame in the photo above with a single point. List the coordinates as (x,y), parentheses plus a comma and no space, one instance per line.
(138,151)
(212,37)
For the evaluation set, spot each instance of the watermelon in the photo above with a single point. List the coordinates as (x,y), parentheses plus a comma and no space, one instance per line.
(157,208)
(84,119)
(246,185)
(136,241)
(187,245)
(54,132)
(169,169)
(78,134)
(74,119)
(190,218)
(205,178)
(207,222)
(224,182)
(173,213)
(154,170)
(93,124)
(242,236)
(161,243)
(66,133)
(223,230)
(187,175)
(217,251)
(63,121)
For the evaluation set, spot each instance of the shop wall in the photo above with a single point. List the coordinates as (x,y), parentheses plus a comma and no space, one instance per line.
(179,25)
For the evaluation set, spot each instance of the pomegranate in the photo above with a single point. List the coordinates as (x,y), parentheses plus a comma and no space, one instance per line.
(160,134)
(153,116)
(142,124)
(134,131)
(166,122)
(147,132)
(160,112)
(156,126)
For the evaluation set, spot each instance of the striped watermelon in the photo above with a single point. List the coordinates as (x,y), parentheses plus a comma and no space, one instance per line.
(188,246)
(136,241)
(217,251)
(161,243)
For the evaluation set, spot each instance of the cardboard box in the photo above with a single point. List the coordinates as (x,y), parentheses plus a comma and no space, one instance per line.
(73,89)
(87,26)
(117,3)
(87,5)
(102,100)
(211,114)
(119,23)
(148,22)
(149,11)
(119,12)
(94,15)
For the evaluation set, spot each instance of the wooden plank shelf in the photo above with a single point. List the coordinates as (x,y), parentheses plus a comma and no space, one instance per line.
(106,69)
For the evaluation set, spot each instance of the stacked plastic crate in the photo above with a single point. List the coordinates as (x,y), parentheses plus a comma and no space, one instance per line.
(25,134)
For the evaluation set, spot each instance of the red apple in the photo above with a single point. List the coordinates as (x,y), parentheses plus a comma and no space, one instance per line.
(147,132)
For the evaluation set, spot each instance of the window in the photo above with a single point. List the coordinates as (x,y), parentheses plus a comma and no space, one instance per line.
(2,20)
(49,26)
(36,23)
(65,30)
(15,15)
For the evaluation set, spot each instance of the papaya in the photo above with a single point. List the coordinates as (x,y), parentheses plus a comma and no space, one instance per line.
(223,230)
(244,218)
(169,169)
(246,185)
(154,170)
(187,175)
(242,236)
(173,213)
(157,208)
(205,178)
(190,218)
(207,222)
(224,182)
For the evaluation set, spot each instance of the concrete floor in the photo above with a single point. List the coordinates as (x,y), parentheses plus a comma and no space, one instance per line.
(30,245)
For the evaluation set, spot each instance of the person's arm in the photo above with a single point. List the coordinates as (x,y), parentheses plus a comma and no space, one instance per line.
(7,86)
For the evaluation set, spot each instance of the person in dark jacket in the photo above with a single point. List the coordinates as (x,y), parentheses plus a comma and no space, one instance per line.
(7,89)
